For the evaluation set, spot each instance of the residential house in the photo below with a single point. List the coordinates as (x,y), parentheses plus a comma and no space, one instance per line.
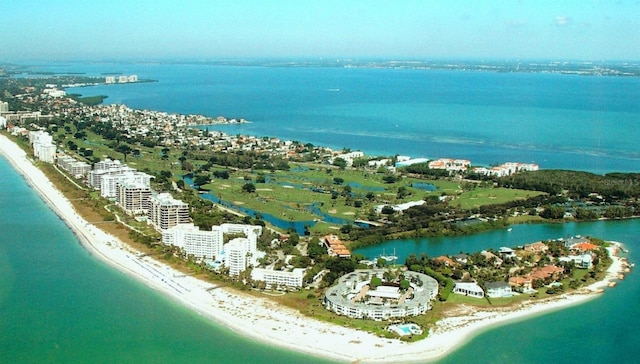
(546,273)
(536,248)
(498,289)
(584,247)
(583,261)
(507,252)
(468,289)
(490,257)
(445,260)
(521,284)
(461,258)
(335,247)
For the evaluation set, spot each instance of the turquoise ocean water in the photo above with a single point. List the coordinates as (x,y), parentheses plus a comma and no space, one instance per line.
(59,304)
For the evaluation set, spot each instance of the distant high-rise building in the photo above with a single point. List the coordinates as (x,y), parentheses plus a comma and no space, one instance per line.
(110,79)
(4,106)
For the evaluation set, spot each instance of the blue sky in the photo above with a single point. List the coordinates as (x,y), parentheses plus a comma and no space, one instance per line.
(408,29)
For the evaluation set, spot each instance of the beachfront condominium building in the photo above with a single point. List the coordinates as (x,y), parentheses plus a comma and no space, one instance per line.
(238,255)
(202,244)
(112,179)
(105,168)
(279,278)
(76,168)
(166,212)
(133,197)
(251,232)
(43,147)
(208,245)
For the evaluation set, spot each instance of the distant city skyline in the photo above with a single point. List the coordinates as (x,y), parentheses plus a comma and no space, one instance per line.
(148,30)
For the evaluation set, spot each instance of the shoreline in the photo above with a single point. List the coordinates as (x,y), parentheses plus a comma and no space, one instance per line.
(266,321)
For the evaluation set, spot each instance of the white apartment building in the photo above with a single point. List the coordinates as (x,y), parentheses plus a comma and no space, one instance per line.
(43,147)
(209,244)
(200,243)
(252,232)
(349,157)
(53,92)
(279,278)
(111,181)
(76,168)
(166,212)
(451,165)
(105,168)
(110,79)
(238,255)
(506,169)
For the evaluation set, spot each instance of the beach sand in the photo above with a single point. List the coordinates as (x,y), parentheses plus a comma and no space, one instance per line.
(265,320)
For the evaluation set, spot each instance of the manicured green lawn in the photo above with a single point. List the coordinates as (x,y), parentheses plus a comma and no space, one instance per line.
(480,196)
(291,194)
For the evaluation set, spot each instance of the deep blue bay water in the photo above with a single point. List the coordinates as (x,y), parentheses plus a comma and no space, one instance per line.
(59,304)
(558,121)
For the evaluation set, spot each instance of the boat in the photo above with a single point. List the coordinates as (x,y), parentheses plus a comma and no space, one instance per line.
(509,229)
(389,258)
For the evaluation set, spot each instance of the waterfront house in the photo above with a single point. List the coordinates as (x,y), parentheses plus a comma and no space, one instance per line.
(498,289)
(461,258)
(583,261)
(445,260)
(507,252)
(335,247)
(468,289)
(490,257)
(584,247)
(547,273)
(536,248)
(521,284)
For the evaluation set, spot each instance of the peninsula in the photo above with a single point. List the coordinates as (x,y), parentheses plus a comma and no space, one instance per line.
(264,320)
(200,247)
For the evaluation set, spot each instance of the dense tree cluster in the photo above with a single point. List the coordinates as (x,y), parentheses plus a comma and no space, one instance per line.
(612,186)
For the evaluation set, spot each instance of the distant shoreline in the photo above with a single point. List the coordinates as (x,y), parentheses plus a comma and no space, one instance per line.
(265,321)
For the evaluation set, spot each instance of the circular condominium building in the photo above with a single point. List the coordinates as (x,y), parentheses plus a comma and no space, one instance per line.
(364,294)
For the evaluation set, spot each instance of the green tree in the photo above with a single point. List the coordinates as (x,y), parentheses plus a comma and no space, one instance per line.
(375,282)
(125,149)
(390,178)
(249,187)
(404,284)
(201,179)
(340,163)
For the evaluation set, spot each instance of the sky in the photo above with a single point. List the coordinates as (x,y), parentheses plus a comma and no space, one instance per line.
(91,30)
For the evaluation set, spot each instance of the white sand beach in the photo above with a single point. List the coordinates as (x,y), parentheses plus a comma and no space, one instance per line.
(264,320)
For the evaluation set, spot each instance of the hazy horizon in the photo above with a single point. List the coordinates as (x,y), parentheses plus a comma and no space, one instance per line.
(591,30)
